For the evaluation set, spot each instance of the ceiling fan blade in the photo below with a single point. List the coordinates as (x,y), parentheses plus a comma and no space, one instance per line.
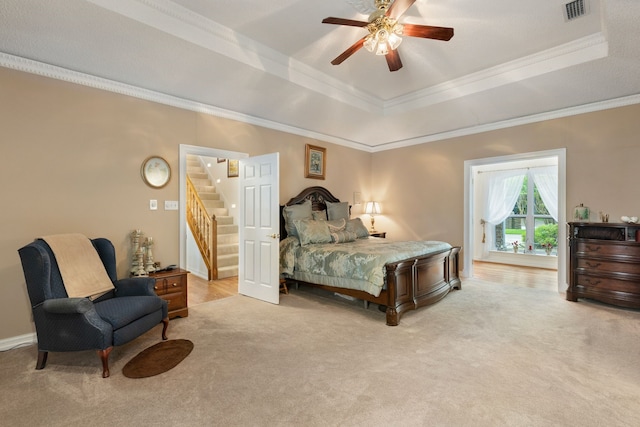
(427,32)
(398,7)
(341,21)
(347,53)
(393,60)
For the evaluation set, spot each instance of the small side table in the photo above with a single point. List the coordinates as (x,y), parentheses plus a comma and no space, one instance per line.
(381,234)
(171,286)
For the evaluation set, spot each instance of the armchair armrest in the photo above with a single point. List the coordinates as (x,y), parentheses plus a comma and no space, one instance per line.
(135,286)
(67,305)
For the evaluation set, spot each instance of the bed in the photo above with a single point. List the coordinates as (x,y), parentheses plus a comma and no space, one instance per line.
(398,276)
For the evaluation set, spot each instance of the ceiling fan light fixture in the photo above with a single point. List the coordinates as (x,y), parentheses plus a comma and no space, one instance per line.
(384,35)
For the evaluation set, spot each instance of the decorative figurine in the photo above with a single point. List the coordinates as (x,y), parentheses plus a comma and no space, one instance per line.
(150,264)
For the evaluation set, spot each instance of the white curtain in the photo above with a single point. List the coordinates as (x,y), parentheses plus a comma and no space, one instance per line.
(501,190)
(546,179)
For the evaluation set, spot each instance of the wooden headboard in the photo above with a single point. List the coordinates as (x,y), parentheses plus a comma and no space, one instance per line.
(318,196)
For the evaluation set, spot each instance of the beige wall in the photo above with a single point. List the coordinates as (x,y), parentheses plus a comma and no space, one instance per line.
(71,163)
(72,155)
(422,187)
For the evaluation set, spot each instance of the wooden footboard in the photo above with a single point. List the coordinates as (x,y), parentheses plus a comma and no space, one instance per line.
(411,283)
(420,281)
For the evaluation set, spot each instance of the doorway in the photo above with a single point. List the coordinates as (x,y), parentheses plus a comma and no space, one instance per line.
(185,248)
(473,227)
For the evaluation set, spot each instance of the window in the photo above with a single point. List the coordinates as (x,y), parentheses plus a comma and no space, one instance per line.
(530,226)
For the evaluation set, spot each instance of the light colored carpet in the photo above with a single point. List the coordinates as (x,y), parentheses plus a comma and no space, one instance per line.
(488,355)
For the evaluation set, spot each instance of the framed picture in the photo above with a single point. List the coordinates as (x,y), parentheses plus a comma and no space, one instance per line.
(221,160)
(155,172)
(233,170)
(315,160)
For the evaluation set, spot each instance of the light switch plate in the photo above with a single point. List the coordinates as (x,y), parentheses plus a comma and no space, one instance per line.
(170,205)
(153,205)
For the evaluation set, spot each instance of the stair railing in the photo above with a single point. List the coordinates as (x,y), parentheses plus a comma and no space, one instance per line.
(204,229)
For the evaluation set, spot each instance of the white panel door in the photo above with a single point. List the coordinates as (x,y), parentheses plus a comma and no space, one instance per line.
(259,224)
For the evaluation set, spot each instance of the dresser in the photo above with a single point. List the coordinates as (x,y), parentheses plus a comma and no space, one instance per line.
(171,286)
(604,263)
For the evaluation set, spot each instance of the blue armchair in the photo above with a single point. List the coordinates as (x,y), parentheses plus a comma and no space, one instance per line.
(74,324)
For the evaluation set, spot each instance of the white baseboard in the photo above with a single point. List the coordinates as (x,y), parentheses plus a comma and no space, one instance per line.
(19,341)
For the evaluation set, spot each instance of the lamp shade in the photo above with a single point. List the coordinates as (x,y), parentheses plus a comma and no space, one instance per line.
(372,208)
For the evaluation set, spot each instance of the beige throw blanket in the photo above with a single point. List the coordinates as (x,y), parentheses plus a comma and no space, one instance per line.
(82,271)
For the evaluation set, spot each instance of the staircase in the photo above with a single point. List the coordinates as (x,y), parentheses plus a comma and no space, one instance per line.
(227,240)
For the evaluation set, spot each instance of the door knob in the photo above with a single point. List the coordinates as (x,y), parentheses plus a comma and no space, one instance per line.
(274,236)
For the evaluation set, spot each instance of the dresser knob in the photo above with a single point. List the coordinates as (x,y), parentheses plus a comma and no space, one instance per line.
(155,288)
(174,285)
(593,265)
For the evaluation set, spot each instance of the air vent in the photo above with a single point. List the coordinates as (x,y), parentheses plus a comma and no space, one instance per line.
(576,9)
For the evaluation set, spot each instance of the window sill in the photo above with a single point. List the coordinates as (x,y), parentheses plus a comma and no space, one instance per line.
(523,259)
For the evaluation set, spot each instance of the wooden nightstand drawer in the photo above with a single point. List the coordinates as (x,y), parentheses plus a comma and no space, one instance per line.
(171,286)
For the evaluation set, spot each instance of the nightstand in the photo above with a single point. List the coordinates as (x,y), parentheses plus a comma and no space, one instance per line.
(381,234)
(171,286)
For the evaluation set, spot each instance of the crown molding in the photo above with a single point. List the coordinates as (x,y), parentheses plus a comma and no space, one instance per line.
(569,54)
(59,73)
(54,72)
(550,115)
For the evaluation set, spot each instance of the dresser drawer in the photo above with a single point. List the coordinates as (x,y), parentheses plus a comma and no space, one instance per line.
(603,248)
(592,265)
(599,283)
(175,301)
(171,286)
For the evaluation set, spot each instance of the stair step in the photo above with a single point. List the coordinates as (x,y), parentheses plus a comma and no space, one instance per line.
(218,212)
(224,220)
(227,229)
(210,204)
(230,260)
(209,196)
(200,182)
(228,249)
(225,272)
(198,175)
(225,239)
(205,188)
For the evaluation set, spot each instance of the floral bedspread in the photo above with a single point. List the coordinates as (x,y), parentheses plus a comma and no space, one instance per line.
(354,265)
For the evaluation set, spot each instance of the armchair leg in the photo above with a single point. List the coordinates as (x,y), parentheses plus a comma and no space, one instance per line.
(42,359)
(165,323)
(104,356)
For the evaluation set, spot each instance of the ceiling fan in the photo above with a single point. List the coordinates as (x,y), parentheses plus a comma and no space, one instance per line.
(385,32)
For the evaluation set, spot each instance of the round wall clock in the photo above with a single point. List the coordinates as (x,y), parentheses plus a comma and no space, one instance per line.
(155,172)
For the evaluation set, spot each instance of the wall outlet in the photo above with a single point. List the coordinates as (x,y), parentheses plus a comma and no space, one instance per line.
(170,205)
(153,205)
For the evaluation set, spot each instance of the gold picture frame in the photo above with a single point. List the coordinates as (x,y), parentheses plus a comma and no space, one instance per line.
(315,162)
(155,172)
(233,168)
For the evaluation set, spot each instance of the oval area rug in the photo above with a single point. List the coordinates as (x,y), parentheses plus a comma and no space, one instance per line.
(157,359)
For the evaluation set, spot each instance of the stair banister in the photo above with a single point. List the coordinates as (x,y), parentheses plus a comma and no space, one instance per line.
(204,229)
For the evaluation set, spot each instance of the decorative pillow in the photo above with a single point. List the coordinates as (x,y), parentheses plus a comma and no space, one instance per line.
(311,231)
(337,210)
(291,213)
(319,215)
(336,225)
(343,237)
(355,225)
